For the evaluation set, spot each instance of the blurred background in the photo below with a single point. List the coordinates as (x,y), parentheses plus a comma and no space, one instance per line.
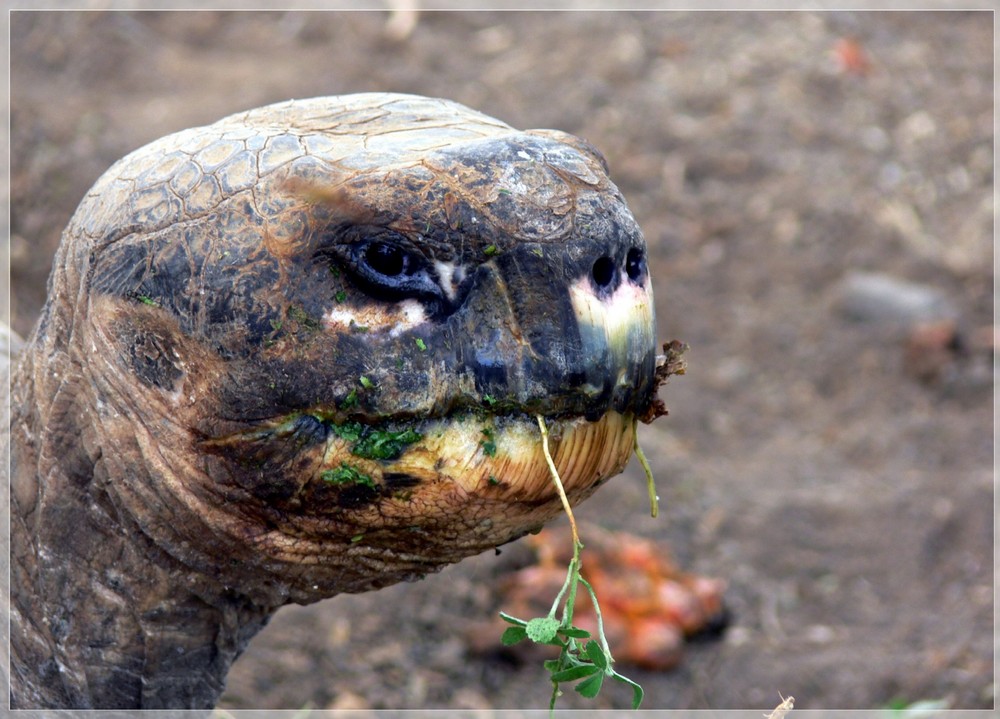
(817,193)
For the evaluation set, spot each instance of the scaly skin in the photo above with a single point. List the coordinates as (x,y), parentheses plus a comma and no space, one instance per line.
(239,313)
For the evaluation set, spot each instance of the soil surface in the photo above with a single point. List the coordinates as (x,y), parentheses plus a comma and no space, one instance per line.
(816,191)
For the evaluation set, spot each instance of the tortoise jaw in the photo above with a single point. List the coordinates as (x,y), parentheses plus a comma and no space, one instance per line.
(304,461)
(448,489)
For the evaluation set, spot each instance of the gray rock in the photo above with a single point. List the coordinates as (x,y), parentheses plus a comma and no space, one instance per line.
(883,299)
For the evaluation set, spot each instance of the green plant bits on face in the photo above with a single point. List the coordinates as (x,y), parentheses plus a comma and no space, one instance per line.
(147,300)
(351,400)
(380,444)
(347,475)
(341,296)
(373,443)
(488,445)
(303,319)
(365,382)
(351,431)
(421,345)
(490,250)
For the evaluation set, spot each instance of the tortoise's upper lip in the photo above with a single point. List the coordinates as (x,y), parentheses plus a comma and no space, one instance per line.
(496,411)
(321,468)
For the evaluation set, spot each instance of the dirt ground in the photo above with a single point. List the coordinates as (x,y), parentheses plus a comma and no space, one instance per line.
(829,452)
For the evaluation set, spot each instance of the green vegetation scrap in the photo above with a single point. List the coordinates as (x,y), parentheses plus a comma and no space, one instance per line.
(371,443)
(346,475)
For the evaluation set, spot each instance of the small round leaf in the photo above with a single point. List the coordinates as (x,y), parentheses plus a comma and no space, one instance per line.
(542,629)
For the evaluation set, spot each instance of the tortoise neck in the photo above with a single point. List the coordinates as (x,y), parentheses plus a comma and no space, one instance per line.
(102,617)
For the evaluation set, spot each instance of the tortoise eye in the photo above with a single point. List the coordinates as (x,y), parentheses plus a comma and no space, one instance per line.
(387,260)
(391,271)
(384,264)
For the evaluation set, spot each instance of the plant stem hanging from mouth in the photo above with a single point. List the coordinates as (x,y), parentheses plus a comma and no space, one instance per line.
(588,663)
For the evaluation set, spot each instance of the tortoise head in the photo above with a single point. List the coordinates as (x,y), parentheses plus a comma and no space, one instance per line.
(319,333)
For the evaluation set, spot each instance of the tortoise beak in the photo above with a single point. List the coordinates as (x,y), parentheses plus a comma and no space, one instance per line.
(618,347)
(570,346)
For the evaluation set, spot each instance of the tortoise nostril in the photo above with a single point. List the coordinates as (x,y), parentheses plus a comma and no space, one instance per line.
(603,272)
(634,264)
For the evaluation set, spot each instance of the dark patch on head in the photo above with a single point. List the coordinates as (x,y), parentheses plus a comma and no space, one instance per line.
(356,495)
(399,480)
(490,374)
(214,286)
(153,359)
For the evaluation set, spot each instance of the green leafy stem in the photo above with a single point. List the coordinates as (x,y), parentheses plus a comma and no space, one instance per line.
(582,658)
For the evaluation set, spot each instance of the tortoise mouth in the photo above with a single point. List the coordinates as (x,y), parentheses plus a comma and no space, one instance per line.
(493,456)
(326,462)
(319,464)
(340,506)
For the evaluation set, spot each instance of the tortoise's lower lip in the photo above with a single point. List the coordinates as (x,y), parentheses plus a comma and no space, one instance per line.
(502,457)
(330,466)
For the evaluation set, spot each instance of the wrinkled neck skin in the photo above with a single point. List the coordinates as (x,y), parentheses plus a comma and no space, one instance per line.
(103,614)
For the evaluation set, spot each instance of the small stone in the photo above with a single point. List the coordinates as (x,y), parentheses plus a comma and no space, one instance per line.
(886,300)
(819,634)
(493,40)
(932,349)
(918,126)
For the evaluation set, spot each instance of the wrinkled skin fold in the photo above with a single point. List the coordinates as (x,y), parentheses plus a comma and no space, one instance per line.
(297,353)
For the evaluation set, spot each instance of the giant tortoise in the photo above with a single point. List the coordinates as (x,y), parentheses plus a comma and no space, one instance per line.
(300,352)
